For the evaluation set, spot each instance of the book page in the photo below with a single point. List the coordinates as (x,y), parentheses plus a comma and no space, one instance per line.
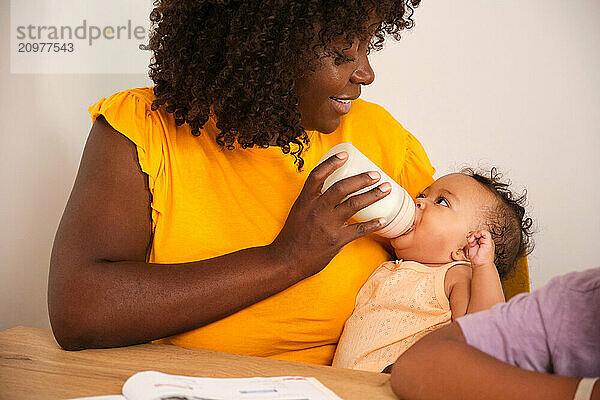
(152,385)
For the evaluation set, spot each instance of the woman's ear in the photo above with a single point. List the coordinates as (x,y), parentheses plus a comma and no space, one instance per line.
(461,254)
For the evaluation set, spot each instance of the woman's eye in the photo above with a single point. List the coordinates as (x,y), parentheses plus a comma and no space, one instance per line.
(349,51)
(345,59)
(342,58)
(442,201)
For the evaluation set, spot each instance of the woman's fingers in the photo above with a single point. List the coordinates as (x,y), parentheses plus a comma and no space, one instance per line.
(357,202)
(317,176)
(317,225)
(360,229)
(347,186)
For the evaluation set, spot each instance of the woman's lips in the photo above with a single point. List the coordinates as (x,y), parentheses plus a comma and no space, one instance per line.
(340,106)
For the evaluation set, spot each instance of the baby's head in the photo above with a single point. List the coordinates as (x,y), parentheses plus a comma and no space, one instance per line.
(457,204)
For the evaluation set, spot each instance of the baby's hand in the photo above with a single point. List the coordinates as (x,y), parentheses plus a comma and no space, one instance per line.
(481,248)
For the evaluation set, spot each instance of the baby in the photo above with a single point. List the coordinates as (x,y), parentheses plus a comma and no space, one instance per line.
(468,232)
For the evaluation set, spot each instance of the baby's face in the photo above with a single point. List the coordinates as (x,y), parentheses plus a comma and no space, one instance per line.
(446,212)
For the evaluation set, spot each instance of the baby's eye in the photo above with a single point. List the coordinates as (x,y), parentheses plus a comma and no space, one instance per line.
(421,196)
(442,202)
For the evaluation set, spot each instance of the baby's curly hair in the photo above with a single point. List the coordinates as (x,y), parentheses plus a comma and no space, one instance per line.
(510,228)
(236,60)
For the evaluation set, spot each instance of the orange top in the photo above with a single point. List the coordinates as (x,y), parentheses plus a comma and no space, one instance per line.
(208,201)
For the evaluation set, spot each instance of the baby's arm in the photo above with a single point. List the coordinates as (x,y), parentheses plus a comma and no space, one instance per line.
(480,289)
(486,288)
(458,289)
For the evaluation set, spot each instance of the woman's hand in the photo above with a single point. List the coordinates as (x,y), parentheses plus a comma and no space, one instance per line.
(317,226)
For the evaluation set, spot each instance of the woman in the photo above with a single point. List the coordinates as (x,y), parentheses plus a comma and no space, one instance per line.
(193,217)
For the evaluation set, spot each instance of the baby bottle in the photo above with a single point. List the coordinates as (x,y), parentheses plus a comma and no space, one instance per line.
(398,208)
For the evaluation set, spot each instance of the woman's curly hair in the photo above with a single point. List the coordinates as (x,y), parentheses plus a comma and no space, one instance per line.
(507,222)
(236,60)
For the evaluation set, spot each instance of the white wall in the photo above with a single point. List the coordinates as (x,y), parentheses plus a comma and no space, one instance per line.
(43,127)
(509,83)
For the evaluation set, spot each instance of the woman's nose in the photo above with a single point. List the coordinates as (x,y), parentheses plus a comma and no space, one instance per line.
(363,74)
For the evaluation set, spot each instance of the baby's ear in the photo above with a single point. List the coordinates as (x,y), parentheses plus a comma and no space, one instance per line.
(461,254)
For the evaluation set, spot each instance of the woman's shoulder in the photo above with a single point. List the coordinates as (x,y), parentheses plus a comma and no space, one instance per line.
(145,93)
(129,101)
(130,110)
(130,113)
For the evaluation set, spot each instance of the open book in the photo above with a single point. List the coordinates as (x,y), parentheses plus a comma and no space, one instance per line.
(152,385)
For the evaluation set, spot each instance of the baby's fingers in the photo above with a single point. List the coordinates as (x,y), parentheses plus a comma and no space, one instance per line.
(472,239)
(479,235)
(484,237)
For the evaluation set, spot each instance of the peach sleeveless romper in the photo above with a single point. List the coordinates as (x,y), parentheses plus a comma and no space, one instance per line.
(400,303)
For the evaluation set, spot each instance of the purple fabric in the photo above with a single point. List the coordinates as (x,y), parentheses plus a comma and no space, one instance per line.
(555,329)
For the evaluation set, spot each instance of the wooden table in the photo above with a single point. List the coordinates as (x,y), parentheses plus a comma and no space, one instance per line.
(32,366)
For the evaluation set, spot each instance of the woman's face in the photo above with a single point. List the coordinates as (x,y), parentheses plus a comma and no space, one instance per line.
(324,94)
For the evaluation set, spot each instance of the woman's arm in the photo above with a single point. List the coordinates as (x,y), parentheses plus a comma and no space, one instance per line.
(443,366)
(102,293)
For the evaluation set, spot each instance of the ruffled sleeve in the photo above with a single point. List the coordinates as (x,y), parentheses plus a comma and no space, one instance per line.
(129,112)
(417,172)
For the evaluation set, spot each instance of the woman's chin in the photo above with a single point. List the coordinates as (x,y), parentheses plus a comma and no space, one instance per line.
(327,131)
(325,126)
